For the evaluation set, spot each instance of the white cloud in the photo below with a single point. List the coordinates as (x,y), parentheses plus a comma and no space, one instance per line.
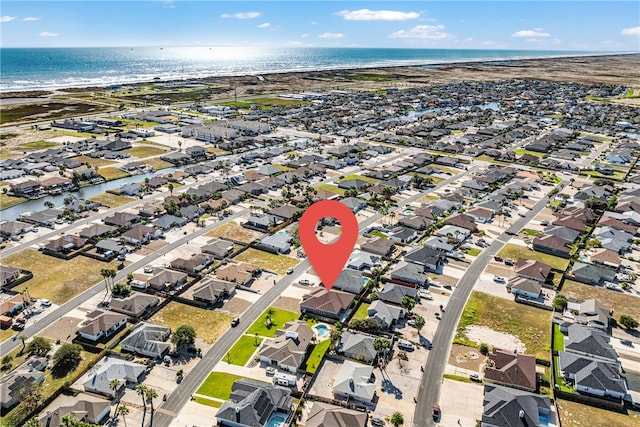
(31,19)
(633,31)
(264,25)
(48,34)
(7,18)
(331,36)
(530,33)
(377,15)
(305,35)
(241,15)
(168,4)
(428,32)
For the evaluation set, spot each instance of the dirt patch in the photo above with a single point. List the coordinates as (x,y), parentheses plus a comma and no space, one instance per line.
(236,305)
(500,270)
(466,357)
(482,334)
(447,280)
(63,329)
(152,247)
(286,303)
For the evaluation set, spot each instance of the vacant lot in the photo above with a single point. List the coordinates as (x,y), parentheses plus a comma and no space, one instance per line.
(94,161)
(520,252)
(332,188)
(218,385)
(143,151)
(157,164)
(209,325)
(531,325)
(56,279)
(573,414)
(38,145)
(112,200)
(268,261)
(619,302)
(233,230)
(242,350)
(110,173)
(368,179)
(278,318)
(6,201)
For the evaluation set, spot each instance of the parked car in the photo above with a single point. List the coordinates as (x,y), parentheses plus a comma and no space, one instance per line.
(304,282)
(235,322)
(290,270)
(45,303)
(497,258)
(544,222)
(626,342)
(378,422)
(509,261)
(499,279)
(436,412)
(411,322)
(270,370)
(475,377)
(510,233)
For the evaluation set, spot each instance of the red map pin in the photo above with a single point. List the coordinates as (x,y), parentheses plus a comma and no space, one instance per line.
(328,260)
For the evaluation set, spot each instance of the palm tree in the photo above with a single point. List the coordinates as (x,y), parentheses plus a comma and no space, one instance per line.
(170,187)
(104,272)
(419,323)
(23,337)
(114,385)
(151,394)
(123,410)
(141,390)
(33,422)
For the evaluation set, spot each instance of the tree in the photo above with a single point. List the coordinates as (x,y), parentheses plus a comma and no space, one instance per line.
(396,419)
(559,302)
(49,204)
(151,394)
(184,335)
(114,385)
(123,410)
(366,325)
(419,322)
(628,322)
(141,390)
(170,187)
(408,303)
(23,337)
(67,357)
(31,395)
(484,349)
(380,345)
(6,362)
(39,346)
(121,290)
(32,422)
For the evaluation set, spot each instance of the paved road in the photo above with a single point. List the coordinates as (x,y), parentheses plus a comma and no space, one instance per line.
(429,392)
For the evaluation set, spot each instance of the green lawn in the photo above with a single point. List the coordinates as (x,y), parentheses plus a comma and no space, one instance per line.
(207,402)
(218,385)
(93,161)
(530,324)
(283,168)
(521,252)
(39,145)
(317,353)
(6,201)
(558,338)
(209,325)
(473,251)
(530,232)
(268,261)
(157,164)
(362,313)
(458,378)
(242,350)
(112,200)
(110,173)
(145,151)
(332,188)
(558,379)
(370,180)
(278,318)
(378,233)
(522,151)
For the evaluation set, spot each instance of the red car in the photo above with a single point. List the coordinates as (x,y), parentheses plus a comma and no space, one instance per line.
(497,258)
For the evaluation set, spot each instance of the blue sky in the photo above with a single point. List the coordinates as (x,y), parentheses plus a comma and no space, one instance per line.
(572,25)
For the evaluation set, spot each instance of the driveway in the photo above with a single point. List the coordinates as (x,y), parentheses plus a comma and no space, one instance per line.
(461,403)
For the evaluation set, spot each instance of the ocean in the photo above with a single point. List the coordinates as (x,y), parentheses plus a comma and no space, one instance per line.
(23,69)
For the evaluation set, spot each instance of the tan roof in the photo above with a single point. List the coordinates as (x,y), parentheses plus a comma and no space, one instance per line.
(605,256)
(517,370)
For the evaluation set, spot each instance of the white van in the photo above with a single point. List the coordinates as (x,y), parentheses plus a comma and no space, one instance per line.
(405,345)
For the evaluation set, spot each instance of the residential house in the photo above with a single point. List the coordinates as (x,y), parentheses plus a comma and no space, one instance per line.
(147,339)
(14,228)
(241,273)
(276,243)
(212,291)
(357,346)
(382,247)
(463,221)
(13,384)
(440,244)
(261,222)
(415,222)
(534,270)
(591,342)
(351,281)
(122,219)
(605,257)
(192,265)
(7,275)
(427,257)
(355,382)
(506,407)
(553,245)
(353,203)
(334,305)
(325,415)
(97,231)
(511,369)
(481,215)
(394,293)
(590,312)
(101,325)
(110,248)
(592,274)
(386,315)
(288,349)
(454,233)
(85,407)
(64,244)
(141,234)
(615,240)
(253,404)
(403,234)
(163,279)
(592,376)
(128,373)
(135,305)
(219,248)
(359,260)
(410,274)
(165,222)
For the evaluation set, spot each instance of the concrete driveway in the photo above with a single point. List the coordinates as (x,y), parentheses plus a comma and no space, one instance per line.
(461,403)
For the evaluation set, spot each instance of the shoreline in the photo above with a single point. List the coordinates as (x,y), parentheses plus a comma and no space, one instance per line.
(419,65)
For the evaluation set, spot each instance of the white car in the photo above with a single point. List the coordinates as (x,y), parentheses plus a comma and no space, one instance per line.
(270,370)
(499,279)
(45,303)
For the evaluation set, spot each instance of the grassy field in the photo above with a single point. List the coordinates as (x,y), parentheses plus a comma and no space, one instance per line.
(332,188)
(207,402)
(56,279)
(233,230)
(157,163)
(209,325)
(142,151)
(531,325)
(278,318)
(522,151)
(521,252)
(268,261)
(218,385)
(242,350)
(558,338)
(110,173)
(50,384)
(283,168)
(112,200)
(315,357)
(94,162)
(619,302)
(362,313)
(473,251)
(6,201)
(38,145)
(445,169)
(370,180)
(573,414)
(530,232)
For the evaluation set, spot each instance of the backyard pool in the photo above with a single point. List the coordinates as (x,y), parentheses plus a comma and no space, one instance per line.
(276,421)
(322,330)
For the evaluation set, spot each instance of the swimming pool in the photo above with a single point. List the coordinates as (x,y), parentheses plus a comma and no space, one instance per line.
(276,421)
(322,330)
